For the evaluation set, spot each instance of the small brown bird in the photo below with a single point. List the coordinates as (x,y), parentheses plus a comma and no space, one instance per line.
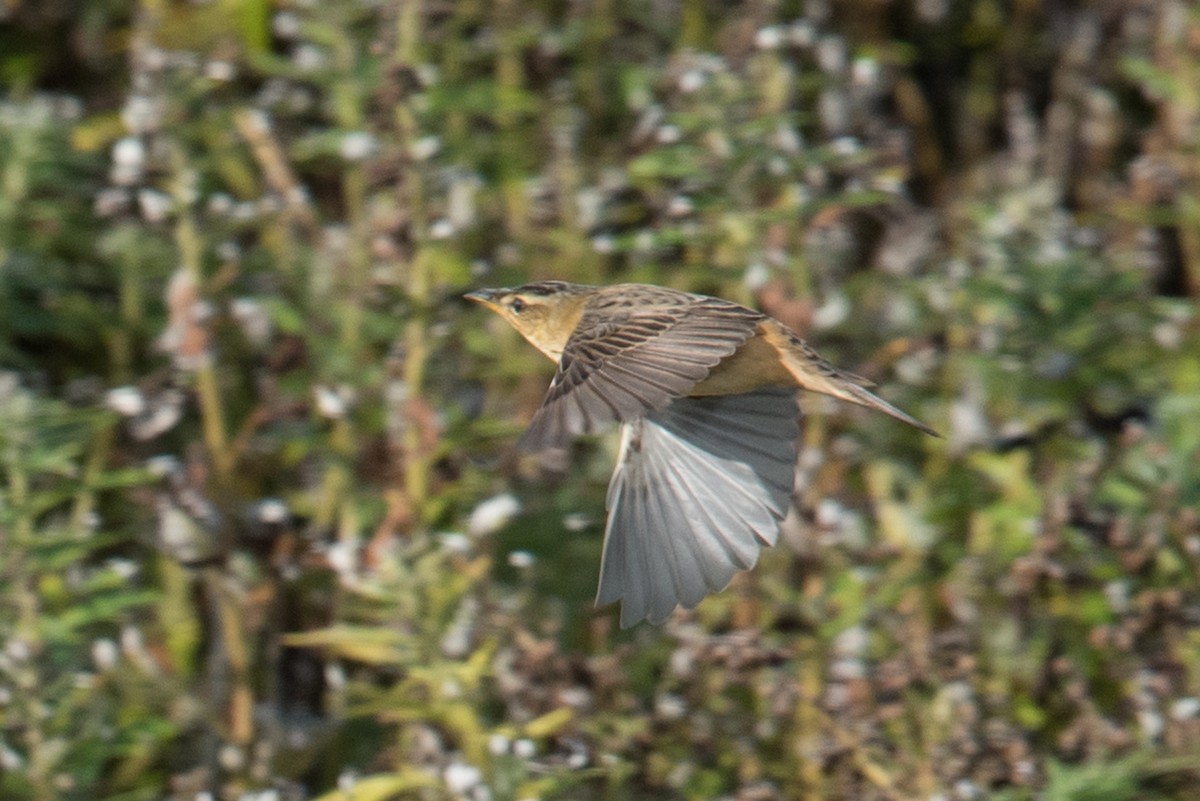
(705,391)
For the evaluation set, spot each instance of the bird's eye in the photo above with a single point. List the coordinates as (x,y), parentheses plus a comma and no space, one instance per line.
(517,306)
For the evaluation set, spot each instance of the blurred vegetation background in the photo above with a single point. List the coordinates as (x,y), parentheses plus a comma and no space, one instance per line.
(262,533)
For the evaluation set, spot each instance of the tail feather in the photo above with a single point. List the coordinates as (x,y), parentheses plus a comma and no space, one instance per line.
(862,397)
(813,373)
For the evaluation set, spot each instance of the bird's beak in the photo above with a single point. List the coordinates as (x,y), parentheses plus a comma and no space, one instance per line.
(487,297)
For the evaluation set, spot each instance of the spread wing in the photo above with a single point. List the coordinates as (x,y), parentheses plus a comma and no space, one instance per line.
(619,367)
(698,488)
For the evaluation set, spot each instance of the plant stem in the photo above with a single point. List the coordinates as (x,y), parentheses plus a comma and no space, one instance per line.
(415,279)
(190,247)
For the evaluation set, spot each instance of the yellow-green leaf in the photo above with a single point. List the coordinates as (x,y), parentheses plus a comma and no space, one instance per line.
(383,787)
(550,723)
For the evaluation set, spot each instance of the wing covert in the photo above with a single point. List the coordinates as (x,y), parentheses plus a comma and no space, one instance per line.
(621,369)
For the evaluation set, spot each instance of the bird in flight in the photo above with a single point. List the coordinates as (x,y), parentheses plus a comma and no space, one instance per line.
(704,390)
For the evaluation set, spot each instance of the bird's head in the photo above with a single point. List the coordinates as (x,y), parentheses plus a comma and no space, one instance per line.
(544,312)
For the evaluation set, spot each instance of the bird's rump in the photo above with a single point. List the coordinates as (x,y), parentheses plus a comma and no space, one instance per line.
(619,368)
(699,487)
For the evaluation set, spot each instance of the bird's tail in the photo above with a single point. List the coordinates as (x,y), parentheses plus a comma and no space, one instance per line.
(815,374)
(855,393)
(699,487)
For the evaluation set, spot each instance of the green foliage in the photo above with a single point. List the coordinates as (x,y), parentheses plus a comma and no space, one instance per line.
(82,717)
(261,530)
